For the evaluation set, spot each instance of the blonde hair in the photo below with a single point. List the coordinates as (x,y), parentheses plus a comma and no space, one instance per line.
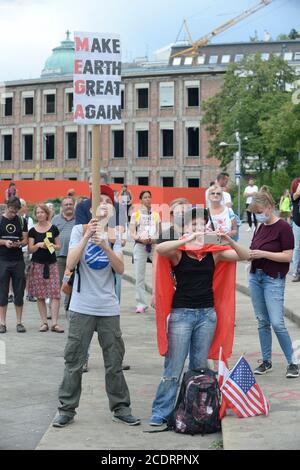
(262,198)
(44,208)
(214,187)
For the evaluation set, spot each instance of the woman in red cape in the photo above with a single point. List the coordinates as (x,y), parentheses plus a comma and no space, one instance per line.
(197,317)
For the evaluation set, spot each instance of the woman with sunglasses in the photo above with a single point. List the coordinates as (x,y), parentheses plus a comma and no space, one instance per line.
(222,217)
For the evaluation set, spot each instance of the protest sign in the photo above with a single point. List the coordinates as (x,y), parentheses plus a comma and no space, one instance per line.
(97,78)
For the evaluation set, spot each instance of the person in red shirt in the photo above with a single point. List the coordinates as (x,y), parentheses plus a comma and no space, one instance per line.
(271,252)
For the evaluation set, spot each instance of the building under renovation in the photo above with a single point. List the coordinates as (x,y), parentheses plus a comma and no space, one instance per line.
(161,140)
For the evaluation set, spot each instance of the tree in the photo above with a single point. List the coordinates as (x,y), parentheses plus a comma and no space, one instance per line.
(293,34)
(254,101)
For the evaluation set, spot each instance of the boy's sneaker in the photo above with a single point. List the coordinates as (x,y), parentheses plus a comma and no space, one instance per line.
(3,328)
(292,371)
(10,298)
(265,367)
(61,421)
(128,419)
(156,421)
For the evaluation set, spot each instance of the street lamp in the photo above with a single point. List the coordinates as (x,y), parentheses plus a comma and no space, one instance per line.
(238,155)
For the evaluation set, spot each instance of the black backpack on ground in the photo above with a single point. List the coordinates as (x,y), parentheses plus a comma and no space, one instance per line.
(198,404)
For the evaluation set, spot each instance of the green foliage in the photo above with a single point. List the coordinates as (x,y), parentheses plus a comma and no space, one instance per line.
(254,101)
(216,445)
(293,34)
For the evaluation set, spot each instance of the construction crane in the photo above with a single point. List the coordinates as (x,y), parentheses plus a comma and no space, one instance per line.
(204,40)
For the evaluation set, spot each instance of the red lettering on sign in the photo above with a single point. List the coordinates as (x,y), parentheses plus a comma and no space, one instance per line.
(81,45)
(78,66)
(80,87)
(79,113)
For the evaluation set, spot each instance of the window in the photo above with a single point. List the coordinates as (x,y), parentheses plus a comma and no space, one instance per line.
(7,147)
(28,147)
(193,183)
(265,56)
(239,57)
(118,180)
(167,142)
(225,59)
(213,59)
(28,106)
(177,61)
(49,146)
(143,180)
(122,99)
(50,104)
(188,61)
(201,59)
(288,56)
(70,102)
(142,143)
(142,98)
(8,107)
(166,94)
(71,145)
(193,141)
(118,144)
(168,181)
(193,96)
(297,56)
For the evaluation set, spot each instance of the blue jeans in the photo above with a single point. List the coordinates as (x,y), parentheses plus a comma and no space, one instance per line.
(190,331)
(296,253)
(267,296)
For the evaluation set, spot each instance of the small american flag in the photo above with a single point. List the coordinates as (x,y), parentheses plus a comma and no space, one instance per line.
(242,393)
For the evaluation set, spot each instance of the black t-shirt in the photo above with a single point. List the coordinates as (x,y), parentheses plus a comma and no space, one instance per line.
(194,281)
(43,256)
(12,229)
(296,210)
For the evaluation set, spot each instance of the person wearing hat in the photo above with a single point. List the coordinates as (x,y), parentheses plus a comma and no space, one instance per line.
(95,307)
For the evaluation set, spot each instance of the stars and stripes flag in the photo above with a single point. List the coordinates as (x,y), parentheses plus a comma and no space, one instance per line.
(223,372)
(242,393)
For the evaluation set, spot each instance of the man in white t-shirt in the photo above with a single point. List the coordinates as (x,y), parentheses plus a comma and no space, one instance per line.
(221,180)
(249,192)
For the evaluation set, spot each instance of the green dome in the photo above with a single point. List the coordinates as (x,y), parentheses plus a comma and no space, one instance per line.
(61,62)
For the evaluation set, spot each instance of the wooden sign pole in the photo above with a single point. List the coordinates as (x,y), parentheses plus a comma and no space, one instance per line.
(96,135)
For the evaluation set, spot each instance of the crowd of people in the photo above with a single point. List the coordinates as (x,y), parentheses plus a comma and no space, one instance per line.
(197,245)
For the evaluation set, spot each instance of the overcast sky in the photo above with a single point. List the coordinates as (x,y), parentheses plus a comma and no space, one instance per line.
(30,29)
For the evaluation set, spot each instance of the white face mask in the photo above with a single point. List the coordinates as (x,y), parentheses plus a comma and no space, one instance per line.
(262,218)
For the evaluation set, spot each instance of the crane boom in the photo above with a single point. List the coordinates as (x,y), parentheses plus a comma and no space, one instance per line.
(203,41)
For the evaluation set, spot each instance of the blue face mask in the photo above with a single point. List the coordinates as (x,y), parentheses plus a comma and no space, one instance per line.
(262,218)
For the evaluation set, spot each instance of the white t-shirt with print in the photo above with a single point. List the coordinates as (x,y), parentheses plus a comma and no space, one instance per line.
(223,221)
(97,294)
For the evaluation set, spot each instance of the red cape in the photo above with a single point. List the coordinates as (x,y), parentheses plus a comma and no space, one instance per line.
(224,297)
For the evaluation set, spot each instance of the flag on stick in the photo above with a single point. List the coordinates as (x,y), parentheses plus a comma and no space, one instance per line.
(242,393)
(223,372)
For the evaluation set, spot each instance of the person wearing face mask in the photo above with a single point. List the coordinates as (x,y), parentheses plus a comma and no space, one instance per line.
(271,252)
(198,316)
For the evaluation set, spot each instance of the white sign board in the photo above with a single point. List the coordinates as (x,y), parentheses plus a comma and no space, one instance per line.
(97,78)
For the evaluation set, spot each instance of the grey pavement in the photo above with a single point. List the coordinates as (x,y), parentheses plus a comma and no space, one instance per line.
(34,368)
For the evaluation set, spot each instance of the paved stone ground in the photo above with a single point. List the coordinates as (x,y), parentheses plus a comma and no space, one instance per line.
(30,379)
